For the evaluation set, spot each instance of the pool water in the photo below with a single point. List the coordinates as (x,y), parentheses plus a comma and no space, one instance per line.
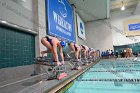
(110,76)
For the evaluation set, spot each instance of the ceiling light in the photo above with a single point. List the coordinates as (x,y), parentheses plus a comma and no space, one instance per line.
(15,25)
(29,30)
(3,21)
(24,0)
(122,8)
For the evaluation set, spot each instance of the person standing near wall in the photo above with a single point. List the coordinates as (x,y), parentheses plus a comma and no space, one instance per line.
(128,53)
(117,54)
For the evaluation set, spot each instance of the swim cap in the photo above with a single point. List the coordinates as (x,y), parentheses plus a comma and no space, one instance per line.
(63,43)
(90,49)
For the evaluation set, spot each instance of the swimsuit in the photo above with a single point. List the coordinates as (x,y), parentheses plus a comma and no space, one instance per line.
(83,47)
(75,47)
(49,40)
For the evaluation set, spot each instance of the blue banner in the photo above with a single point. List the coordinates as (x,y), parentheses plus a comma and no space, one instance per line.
(60,19)
(81,28)
(133,27)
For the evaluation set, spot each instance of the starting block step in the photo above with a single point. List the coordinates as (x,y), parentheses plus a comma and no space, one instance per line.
(42,59)
(47,63)
(78,68)
(62,75)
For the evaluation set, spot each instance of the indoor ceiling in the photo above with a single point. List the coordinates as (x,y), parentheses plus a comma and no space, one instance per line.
(90,10)
(130,5)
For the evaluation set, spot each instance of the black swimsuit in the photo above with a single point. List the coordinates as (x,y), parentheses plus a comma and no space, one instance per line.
(83,47)
(75,47)
(49,40)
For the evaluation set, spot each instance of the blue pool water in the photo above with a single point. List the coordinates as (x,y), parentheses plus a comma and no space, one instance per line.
(110,76)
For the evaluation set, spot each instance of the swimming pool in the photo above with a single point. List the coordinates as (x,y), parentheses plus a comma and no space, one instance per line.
(110,76)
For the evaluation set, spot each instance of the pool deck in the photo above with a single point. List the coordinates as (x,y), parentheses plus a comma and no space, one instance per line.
(38,83)
(71,77)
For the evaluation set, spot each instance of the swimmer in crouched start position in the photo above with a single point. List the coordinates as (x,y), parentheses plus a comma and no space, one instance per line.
(52,44)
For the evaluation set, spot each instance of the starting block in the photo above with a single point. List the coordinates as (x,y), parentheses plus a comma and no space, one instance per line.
(53,71)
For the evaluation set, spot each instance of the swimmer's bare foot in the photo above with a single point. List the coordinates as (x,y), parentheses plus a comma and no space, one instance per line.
(68,56)
(42,53)
(86,64)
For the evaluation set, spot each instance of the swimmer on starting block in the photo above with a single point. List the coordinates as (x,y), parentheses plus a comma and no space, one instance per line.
(52,44)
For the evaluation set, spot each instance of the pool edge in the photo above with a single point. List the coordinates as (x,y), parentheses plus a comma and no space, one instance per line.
(65,82)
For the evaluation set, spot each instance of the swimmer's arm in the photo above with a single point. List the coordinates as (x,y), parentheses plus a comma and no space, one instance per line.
(54,51)
(61,53)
